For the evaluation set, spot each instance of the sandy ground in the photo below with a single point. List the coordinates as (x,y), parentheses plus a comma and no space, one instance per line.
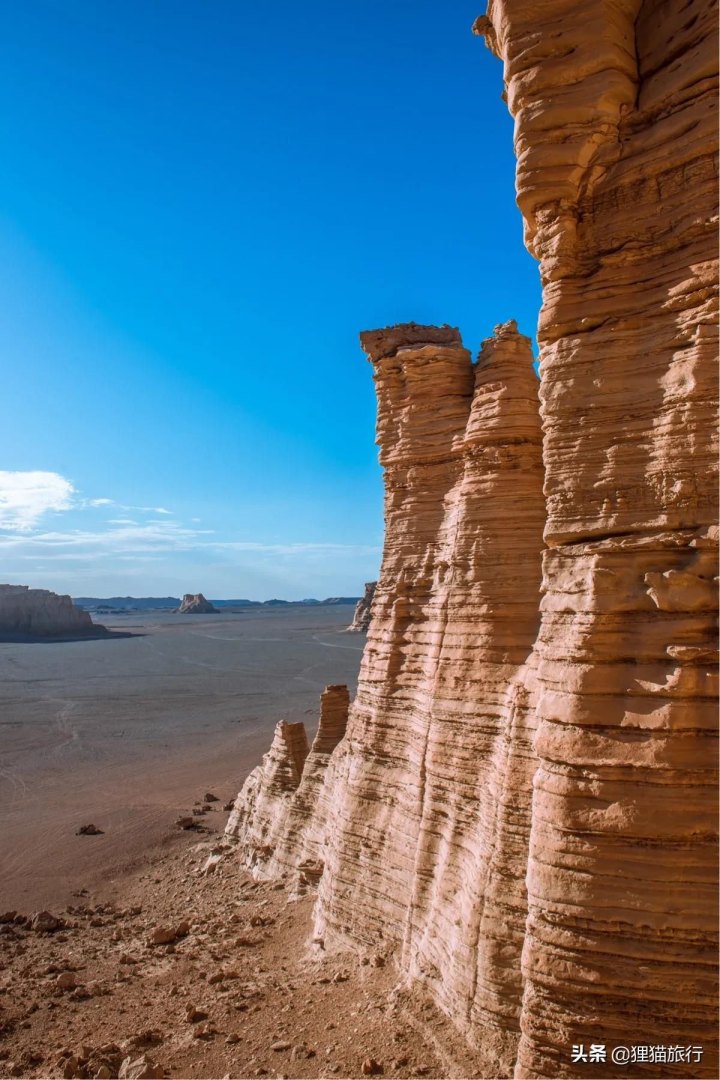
(240,992)
(121,732)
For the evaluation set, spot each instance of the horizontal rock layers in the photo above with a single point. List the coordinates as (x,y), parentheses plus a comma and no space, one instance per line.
(26,612)
(363,609)
(615,111)
(433,784)
(429,793)
(280,815)
(523,809)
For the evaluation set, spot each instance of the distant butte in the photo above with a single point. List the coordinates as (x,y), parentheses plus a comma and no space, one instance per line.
(196,604)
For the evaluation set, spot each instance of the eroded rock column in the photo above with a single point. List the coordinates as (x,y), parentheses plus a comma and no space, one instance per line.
(280,816)
(432,785)
(616,141)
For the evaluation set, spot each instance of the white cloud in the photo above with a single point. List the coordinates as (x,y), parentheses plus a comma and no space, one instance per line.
(26,496)
(130,538)
(92,545)
(123,506)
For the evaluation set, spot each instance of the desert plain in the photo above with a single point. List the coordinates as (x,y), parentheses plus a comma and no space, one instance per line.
(127,732)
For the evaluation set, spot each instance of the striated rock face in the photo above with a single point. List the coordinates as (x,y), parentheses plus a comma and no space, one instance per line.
(26,612)
(433,784)
(196,604)
(616,143)
(280,815)
(363,609)
(523,809)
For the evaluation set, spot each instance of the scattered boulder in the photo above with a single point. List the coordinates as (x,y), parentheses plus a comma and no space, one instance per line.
(371,1067)
(186,822)
(89,830)
(165,935)
(139,1069)
(193,1015)
(45,923)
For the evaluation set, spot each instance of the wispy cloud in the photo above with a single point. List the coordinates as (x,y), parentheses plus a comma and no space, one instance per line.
(126,537)
(103,534)
(124,506)
(26,496)
(129,537)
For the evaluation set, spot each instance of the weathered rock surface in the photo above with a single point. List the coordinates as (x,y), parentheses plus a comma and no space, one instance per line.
(26,612)
(363,609)
(433,784)
(196,604)
(615,112)
(280,815)
(523,809)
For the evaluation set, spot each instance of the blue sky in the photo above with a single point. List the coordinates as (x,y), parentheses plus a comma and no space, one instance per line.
(202,204)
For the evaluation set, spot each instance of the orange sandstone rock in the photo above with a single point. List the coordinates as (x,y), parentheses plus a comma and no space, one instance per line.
(616,142)
(523,808)
(280,816)
(433,784)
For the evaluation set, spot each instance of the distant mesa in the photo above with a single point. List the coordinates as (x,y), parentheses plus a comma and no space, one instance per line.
(363,610)
(196,604)
(27,613)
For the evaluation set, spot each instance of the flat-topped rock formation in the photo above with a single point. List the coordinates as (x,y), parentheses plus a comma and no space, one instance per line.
(363,609)
(196,604)
(40,613)
(523,809)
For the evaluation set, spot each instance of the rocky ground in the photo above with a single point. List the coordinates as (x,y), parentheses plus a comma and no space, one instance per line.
(192,969)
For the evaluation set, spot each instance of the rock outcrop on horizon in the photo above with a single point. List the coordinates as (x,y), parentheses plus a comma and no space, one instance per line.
(363,610)
(40,613)
(196,604)
(523,810)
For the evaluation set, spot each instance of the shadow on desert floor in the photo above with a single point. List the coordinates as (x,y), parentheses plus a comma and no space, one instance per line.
(107,635)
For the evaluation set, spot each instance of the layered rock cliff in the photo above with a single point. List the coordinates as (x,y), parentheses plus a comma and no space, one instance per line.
(523,809)
(196,604)
(363,609)
(433,783)
(26,612)
(616,141)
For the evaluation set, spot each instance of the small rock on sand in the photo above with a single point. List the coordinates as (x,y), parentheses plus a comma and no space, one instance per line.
(164,935)
(139,1069)
(45,923)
